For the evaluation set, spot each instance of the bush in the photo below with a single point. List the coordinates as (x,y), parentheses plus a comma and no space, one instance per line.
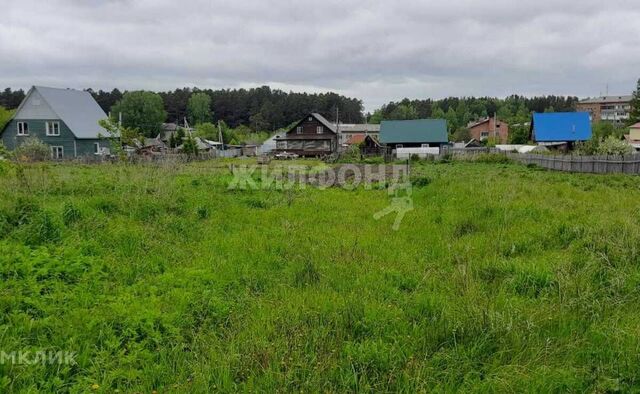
(614,146)
(421,181)
(32,149)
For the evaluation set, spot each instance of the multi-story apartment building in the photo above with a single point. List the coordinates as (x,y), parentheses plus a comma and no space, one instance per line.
(613,109)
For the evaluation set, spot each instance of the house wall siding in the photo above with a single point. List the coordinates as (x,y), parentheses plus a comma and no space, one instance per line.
(501,128)
(72,146)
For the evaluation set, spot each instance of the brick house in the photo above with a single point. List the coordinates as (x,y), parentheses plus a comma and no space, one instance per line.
(490,128)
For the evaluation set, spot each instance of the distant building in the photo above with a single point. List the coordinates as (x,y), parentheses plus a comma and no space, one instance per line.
(560,128)
(614,109)
(312,136)
(421,133)
(64,119)
(634,132)
(370,146)
(356,132)
(489,128)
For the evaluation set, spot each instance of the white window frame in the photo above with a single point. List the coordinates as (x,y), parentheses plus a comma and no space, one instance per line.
(424,145)
(96,148)
(52,131)
(21,130)
(299,130)
(55,149)
(310,118)
(319,130)
(399,146)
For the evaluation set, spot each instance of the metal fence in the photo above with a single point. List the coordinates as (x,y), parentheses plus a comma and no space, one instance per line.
(588,164)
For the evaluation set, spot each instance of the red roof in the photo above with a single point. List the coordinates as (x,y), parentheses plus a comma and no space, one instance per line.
(635,126)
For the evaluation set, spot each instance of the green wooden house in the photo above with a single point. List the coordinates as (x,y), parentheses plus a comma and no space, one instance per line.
(64,119)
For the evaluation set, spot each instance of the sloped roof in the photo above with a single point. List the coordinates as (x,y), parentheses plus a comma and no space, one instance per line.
(635,126)
(324,121)
(561,126)
(76,108)
(414,131)
(360,128)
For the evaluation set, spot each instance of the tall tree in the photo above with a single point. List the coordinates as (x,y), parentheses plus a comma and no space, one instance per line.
(403,112)
(141,110)
(635,106)
(199,108)
(5,117)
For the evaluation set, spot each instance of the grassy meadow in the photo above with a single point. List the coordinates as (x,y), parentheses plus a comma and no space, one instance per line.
(503,278)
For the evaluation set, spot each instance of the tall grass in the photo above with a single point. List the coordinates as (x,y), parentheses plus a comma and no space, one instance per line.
(503,278)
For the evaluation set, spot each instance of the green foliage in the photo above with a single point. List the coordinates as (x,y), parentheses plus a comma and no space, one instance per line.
(602,130)
(70,214)
(207,130)
(461,135)
(140,110)
(495,158)
(5,117)
(202,212)
(4,152)
(176,139)
(41,229)
(502,279)
(421,181)
(189,146)
(614,146)
(199,108)
(33,149)
(403,112)
(635,106)
(119,136)
(519,135)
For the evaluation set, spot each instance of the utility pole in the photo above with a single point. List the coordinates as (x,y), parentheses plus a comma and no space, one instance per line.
(220,134)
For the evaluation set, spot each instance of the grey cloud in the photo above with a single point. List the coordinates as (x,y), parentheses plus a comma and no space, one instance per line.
(376,50)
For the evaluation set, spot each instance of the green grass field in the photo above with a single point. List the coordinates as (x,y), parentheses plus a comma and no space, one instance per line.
(503,278)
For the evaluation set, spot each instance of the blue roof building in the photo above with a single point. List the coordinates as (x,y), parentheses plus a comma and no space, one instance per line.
(561,127)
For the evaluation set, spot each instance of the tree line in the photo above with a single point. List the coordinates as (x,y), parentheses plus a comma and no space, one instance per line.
(261,109)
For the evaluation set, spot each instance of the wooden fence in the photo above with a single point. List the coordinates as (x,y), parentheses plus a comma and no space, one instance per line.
(588,164)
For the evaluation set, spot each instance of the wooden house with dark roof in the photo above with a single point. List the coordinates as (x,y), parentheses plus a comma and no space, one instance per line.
(312,136)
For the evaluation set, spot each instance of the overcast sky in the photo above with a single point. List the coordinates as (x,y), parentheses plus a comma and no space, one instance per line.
(374,50)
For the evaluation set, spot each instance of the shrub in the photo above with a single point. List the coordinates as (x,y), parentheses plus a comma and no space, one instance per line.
(32,149)
(614,146)
(421,181)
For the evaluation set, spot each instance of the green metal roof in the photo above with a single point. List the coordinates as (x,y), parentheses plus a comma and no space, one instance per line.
(414,131)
